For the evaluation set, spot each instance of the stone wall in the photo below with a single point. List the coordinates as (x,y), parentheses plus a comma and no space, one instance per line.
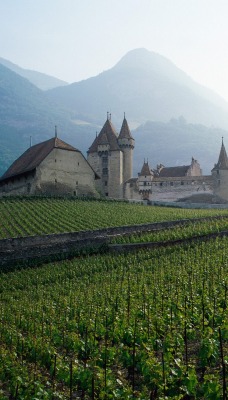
(65,172)
(221,183)
(171,189)
(21,185)
(16,250)
(115,183)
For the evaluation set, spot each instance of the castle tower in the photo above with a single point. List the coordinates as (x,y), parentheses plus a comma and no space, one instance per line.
(126,144)
(145,178)
(106,158)
(220,174)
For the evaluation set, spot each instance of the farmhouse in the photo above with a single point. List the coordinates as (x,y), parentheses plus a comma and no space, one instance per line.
(51,167)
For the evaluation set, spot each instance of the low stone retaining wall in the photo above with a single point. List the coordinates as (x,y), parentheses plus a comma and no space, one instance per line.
(183,204)
(131,247)
(61,245)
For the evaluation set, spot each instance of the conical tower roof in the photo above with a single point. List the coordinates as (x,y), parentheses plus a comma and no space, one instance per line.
(145,169)
(125,131)
(223,159)
(108,136)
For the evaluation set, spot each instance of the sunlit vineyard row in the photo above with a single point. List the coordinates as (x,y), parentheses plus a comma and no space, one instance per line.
(192,229)
(34,216)
(151,325)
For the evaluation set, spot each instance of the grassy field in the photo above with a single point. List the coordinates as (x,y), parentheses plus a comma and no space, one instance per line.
(34,216)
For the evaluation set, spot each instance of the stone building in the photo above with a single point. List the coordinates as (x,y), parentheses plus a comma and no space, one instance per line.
(168,183)
(220,174)
(55,167)
(111,156)
(52,167)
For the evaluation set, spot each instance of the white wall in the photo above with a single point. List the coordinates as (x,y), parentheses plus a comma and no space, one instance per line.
(65,172)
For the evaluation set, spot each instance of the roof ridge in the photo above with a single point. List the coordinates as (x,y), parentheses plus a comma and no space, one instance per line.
(34,155)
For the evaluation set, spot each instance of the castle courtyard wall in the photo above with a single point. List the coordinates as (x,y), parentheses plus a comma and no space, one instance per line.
(171,189)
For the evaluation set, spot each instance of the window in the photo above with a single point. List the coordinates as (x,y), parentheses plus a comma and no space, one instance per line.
(182,183)
(171,183)
(106,183)
(161,183)
(106,194)
(105,171)
(105,160)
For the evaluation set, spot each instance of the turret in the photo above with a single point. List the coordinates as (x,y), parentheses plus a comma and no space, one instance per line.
(106,158)
(145,178)
(220,174)
(126,144)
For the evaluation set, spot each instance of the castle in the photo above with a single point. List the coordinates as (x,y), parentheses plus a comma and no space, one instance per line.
(111,157)
(55,167)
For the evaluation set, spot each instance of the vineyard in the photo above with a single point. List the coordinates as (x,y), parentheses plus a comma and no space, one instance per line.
(188,230)
(147,325)
(39,216)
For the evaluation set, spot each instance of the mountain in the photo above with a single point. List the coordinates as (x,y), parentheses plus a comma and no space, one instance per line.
(167,108)
(148,87)
(26,111)
(42,81)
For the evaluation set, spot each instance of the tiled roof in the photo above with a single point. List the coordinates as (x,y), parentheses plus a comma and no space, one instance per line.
(125,131)
(223,160)
(33,156)
(170,172)
(145,170)
(107,135)
(104,138)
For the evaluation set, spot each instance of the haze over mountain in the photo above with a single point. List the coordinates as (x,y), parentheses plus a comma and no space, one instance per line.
(42,81)
(167,107)
(148,87)
(26,111)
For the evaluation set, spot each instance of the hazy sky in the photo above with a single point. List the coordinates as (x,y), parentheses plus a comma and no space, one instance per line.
(77,39)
